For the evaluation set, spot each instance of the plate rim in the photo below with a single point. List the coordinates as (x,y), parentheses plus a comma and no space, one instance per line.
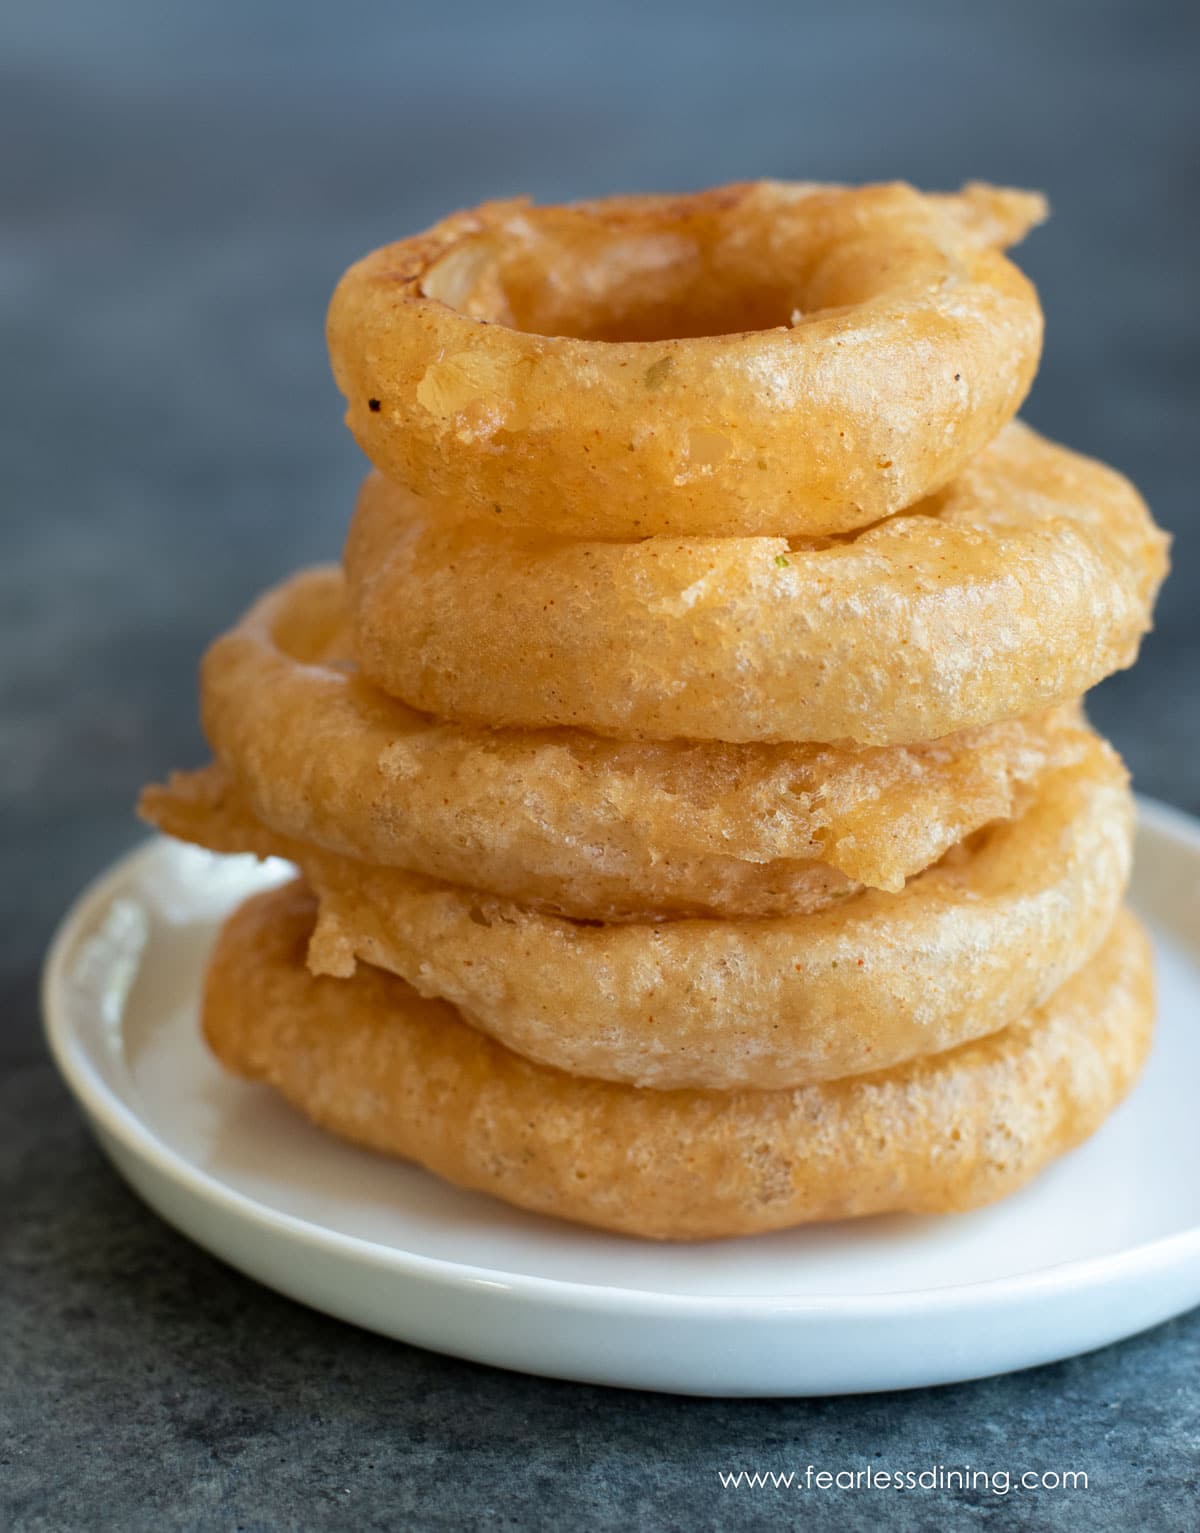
(110,1115)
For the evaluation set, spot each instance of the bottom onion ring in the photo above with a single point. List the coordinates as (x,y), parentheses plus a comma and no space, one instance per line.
(961,951)
(560,819)
(373,1062)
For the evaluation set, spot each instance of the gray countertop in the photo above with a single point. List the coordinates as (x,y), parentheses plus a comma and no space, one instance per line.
(179,196)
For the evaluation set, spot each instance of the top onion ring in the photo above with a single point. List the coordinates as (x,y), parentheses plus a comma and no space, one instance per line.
(767,358)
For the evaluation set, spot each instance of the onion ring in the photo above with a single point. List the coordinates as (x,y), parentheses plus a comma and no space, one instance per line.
(766,358)
(874,980)
(190,805)
(373,1062)
(565,821)
(1024,583)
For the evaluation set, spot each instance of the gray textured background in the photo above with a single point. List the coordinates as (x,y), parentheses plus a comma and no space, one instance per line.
(179,188)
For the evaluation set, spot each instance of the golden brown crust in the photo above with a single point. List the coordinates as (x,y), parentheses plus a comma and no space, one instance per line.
(564,820)
(962,950)
(373,1062)
(646,365)
(1027,581)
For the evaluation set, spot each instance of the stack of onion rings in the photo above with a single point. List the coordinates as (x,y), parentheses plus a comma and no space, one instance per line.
(698,827)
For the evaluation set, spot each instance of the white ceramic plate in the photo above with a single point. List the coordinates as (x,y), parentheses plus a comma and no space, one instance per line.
(1103,1245)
